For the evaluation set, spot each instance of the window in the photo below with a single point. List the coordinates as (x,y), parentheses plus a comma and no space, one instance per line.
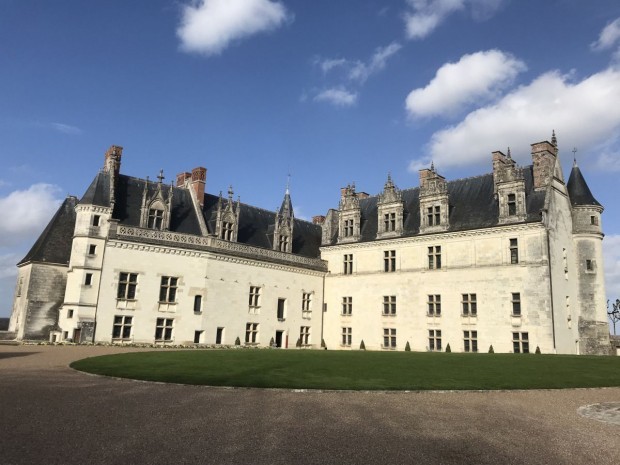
(70,313)
(122,327)
(168,289)
(304,335)
(96,220)
(305,304)
(127,283)
(433,215)
(88,279)
(281,307)
(389,260)
(283,243)
(512,204)
(434,305)
(434,339)
(520,343)
(516,304)
(347,335)
(470,341)
(219,335)
(514,251)
(197,337)
(470,306)
(434,257)
(197,304)
(348,228)
(389,305)
(65,335)
(347,305)
(156,217)
(251,333)
(348,263)
(589,265)
(163,329)
(254,299)
(593,220)
(227,230)
(389,222)
(389,338)
(92,249)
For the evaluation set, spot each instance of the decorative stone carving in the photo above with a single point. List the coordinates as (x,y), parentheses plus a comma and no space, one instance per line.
(227,220)
(434,202)
(389,211)
(156,207)
(509,188)
(349,216)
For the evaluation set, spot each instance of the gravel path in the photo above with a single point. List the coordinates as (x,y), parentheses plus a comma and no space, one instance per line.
(51,414)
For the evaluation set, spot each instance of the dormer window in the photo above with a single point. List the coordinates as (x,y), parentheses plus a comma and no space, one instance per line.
(433,215)
(284,243)
(389,222)
(156,218)
(512,204)
(227,230)
(348,228)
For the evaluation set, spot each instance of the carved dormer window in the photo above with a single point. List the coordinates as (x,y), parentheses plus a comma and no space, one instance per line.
(349,215)
(284,224)
(227,222)
(284,242)
(434,202)
(156,205)
(390,211)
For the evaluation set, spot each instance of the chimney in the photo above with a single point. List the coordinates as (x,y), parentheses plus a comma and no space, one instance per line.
(362,195)
(199,177)
(543,161)
(425,174)
(319,219)
(182,177)
(112,159)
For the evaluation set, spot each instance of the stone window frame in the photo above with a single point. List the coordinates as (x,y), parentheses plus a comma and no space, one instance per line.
(434,340)
(127,286)
(347,263)
(254,299)
(433,215)
(516,302)
(389,222)
(306,304)
(520,342)
(590,265)
(96,221)
(164,329)
(511,204)
(168,289)
(251,333)
(122,327)
(470,341)
(304,335)
(198,301)
(433,305)
(469,305)
(389,338)
(228,231)
(347,306)
(70,313)
(434,257)
(155,219)
(389,261)
(347,336)
(513,247)
(88,279)
(348,227)
(92,250)
(389,305)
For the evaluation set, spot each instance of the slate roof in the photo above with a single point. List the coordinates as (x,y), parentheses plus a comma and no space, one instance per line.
(54,243)
(98,193)
(578,190)
(472,206)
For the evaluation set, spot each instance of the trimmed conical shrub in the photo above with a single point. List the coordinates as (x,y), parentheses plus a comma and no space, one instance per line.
(323,344)
(237,341)
(407,347)
(491,351)
(298,343)
(448,348)
(537,350)
(362,345)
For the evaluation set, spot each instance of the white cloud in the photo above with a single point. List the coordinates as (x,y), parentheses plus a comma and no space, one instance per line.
(66,128)
(331,63)
(424,16)
(26,212)
(474,78)
(611,257)
(7,265)
(209,26)
(609,36)
(585,114)
(337,96)
(362,71)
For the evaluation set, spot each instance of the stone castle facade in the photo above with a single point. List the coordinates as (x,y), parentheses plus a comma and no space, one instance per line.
(510,259)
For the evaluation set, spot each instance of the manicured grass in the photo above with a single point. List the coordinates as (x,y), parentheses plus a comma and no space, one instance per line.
(359,370)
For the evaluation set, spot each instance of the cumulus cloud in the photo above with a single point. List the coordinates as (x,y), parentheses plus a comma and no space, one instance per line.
(585,113)
(424,16)
(337,96)
(609,37)
(474,78)
(209,26)
(26,212)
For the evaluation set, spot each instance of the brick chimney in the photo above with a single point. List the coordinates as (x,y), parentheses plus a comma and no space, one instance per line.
(199,178)
(182,177)
(112,160)
(319,219)
(543,161)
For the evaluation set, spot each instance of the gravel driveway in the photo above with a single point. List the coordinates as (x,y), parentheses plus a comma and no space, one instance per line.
(51,414)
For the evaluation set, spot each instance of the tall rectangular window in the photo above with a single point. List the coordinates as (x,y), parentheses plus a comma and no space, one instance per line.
(437,215)
(512,204)
(227,230)
(347,305)
(127,283)
(305,304)
(304,335)
(122,327)
(254,299)
(348,228)
(96,220)
(251,333)
(389,305)
(92,249)
(516,304)
(281,309)
(156,217)
(434,339)
(470,341)
(347,335)
(163,329)
(470,306)
(88,279)
(348,263)
(389,260)
(389,338)
(283,243)
(389,222)
(434,304)
(197,304)
(593,220)
(589,265)
(520,343)
(168,289)
(514,251)
(434,257)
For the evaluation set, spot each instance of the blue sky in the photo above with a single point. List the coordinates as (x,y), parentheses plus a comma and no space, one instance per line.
(330,92)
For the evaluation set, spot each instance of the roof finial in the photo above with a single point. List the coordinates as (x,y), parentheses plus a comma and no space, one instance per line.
(432,166)
(554,139)
(161,176)
(288,184)
(574,156)
(508,154)
(230,192)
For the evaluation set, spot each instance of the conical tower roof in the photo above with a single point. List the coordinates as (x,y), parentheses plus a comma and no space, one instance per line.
(578,189)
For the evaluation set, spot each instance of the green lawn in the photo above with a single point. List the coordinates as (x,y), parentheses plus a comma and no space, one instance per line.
(359,370)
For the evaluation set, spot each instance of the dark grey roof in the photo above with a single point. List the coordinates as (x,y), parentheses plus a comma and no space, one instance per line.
(54,243)
(578,189)
(472,206)
(98,193)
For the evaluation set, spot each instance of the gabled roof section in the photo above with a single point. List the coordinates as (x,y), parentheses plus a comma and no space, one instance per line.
(98,193)
(472,206)
(578,189)
(54,244)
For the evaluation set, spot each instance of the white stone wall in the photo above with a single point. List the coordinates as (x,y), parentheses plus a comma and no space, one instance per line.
(472,262)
